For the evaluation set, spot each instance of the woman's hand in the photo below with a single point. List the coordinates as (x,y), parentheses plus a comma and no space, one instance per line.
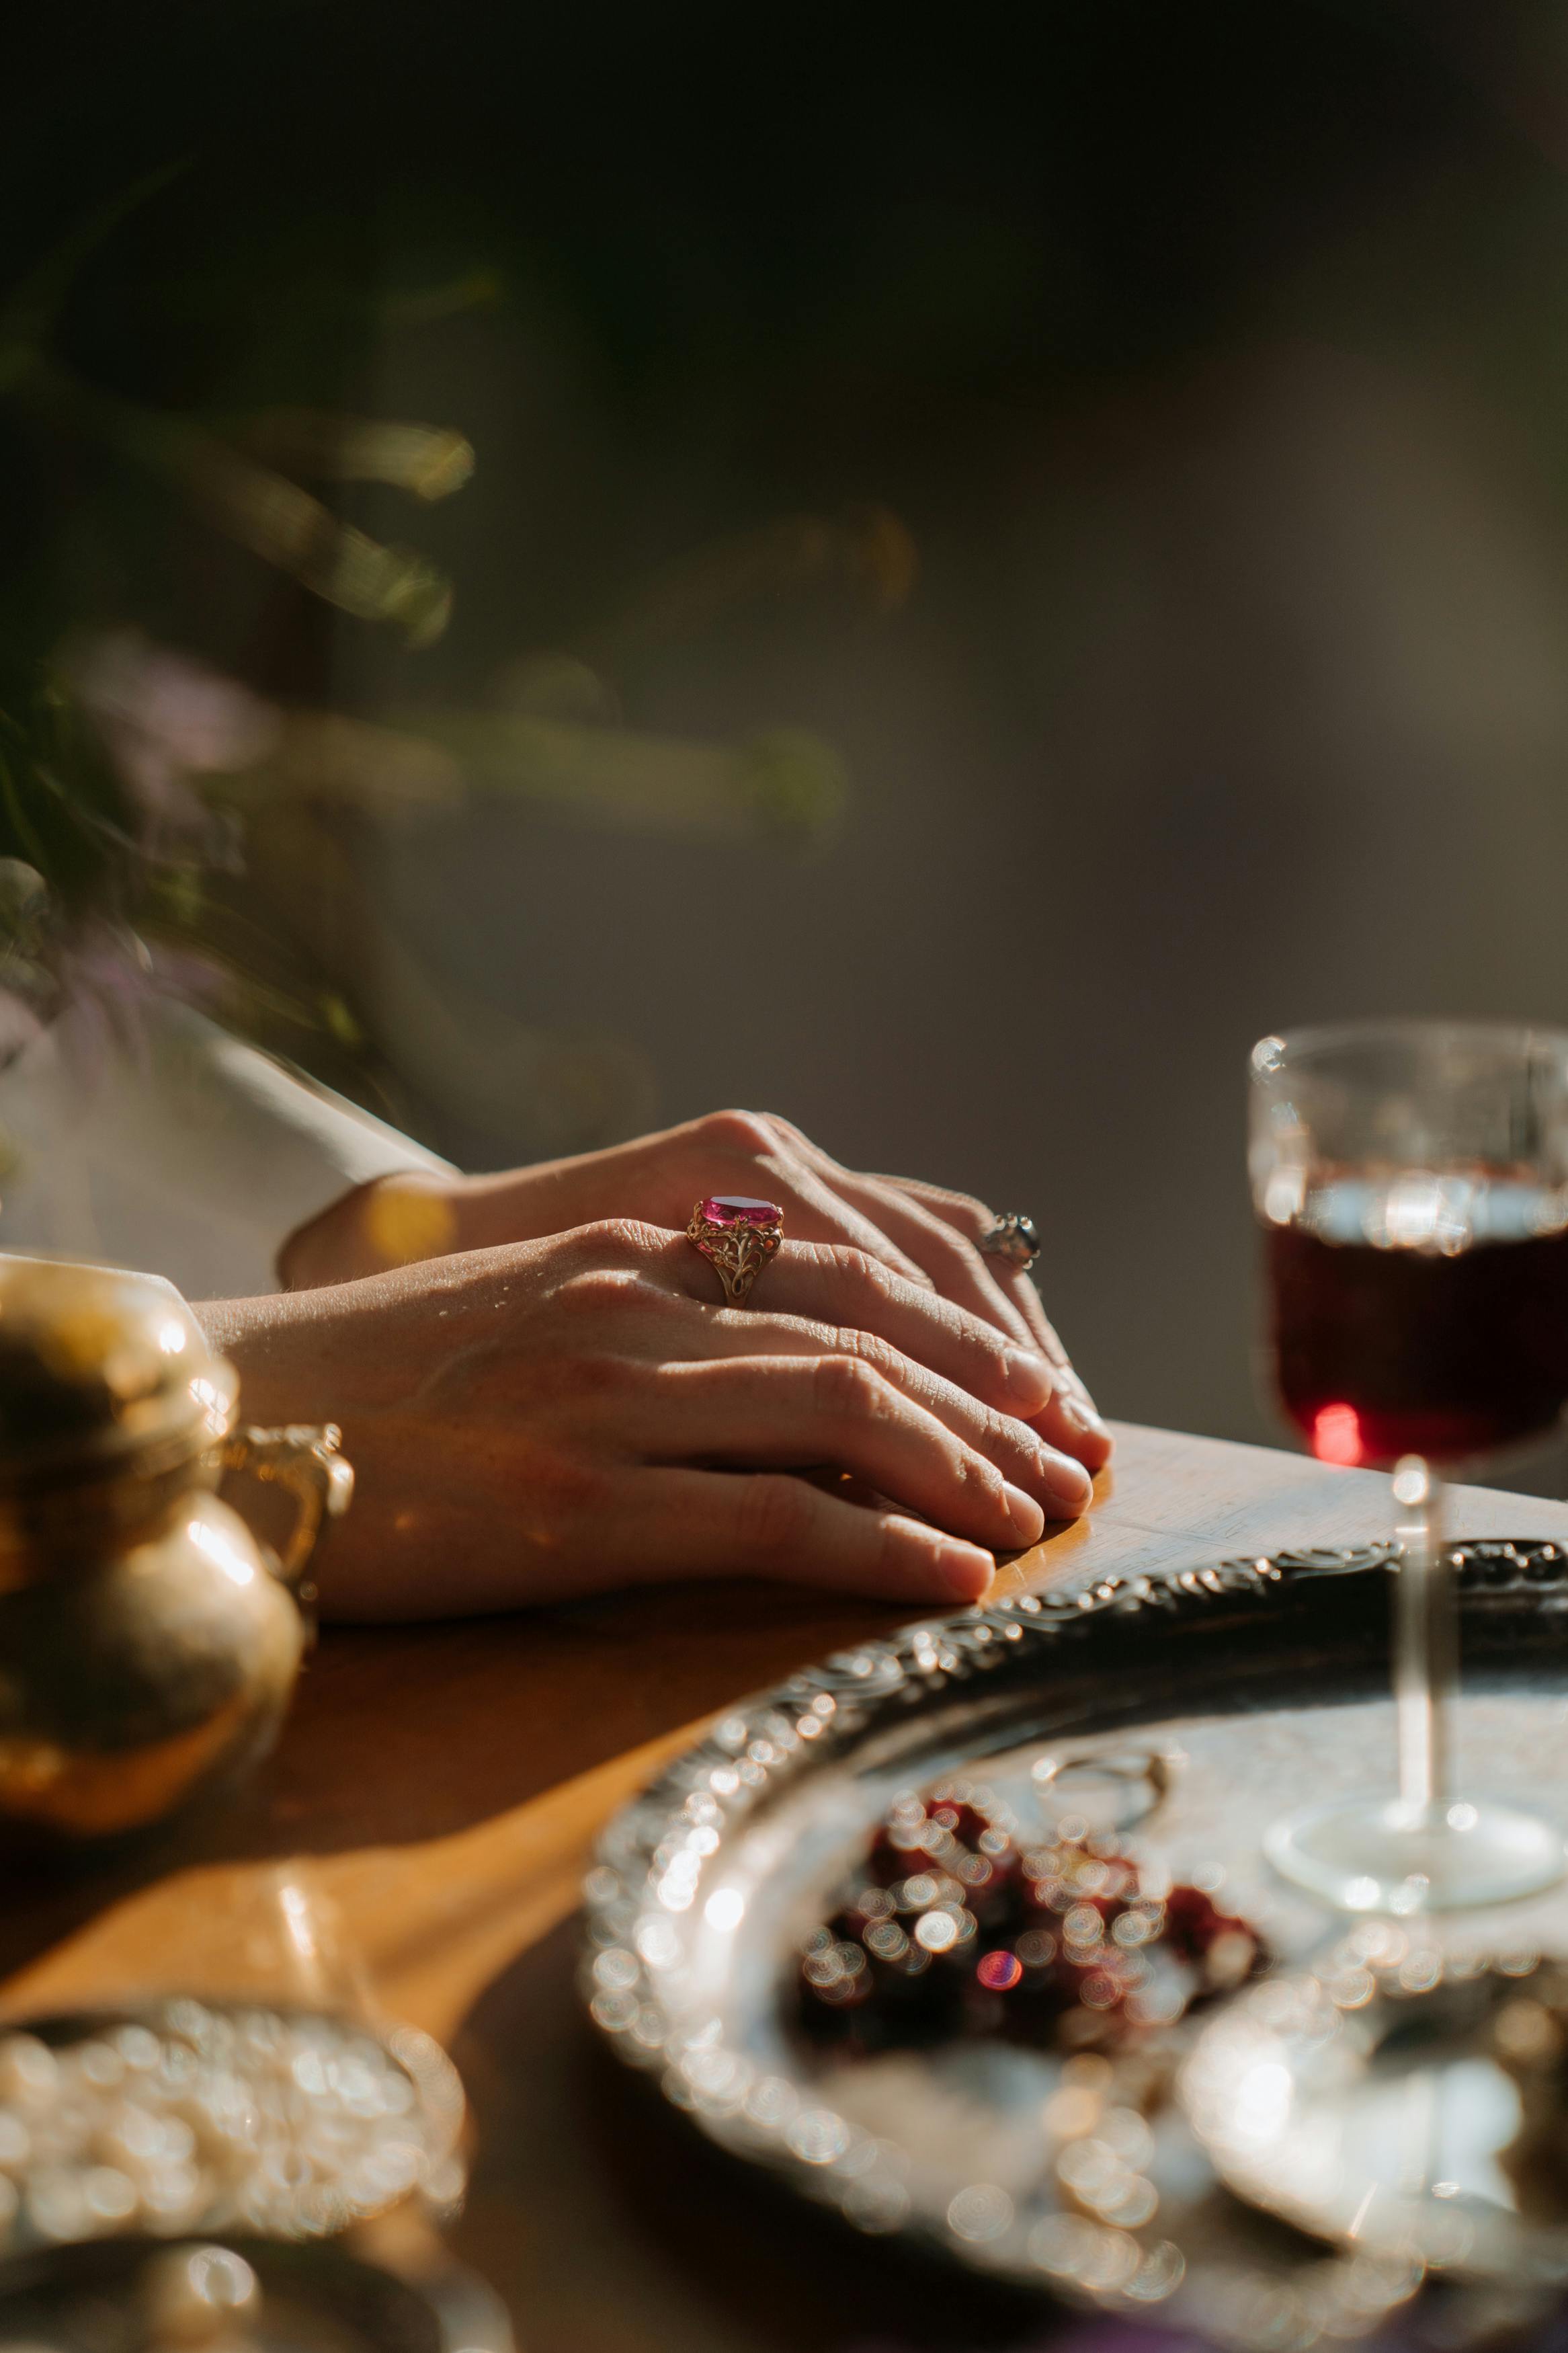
(927,1236)
(555,1417)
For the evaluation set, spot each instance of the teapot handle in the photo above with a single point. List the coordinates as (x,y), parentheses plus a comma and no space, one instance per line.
(304,1458)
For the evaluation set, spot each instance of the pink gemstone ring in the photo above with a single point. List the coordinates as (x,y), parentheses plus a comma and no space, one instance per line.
(737,1236)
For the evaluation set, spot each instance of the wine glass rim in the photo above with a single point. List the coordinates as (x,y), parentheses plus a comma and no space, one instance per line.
(1517,1038)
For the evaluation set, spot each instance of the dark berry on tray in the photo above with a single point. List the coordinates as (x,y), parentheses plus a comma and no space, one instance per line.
(955,1929)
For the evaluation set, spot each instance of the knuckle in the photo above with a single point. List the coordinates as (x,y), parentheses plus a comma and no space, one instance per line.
(975,1471)
(623,1242)
(1004,1435)
(597,1291)
(859,1268)
(894,1546)
(775,1515)
(745,1132)
(846,1388)
(878,1355)
(563,1485)
(965,1217)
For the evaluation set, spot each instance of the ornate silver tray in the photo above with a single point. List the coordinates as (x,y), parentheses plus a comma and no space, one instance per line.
(1266,1680)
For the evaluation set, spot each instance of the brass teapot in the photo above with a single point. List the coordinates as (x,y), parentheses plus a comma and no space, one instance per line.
(149,1644)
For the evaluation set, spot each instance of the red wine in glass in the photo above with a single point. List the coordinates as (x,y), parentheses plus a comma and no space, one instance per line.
(1421,1315)
(1411,1181)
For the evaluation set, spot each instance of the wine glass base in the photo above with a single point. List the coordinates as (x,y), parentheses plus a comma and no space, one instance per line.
(1393,1857)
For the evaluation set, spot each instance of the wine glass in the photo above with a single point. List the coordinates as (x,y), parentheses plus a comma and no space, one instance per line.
(1411,1181)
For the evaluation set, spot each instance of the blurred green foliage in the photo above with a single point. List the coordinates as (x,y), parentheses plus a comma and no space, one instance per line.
(145,798)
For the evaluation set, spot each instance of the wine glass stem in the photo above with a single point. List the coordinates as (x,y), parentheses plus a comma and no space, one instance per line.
(1425,1637)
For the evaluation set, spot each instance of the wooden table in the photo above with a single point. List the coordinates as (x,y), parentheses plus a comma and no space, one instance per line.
(442,1786)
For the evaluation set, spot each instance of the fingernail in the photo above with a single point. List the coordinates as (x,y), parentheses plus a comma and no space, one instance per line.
(1068,1480)
(1029,1378)
(1029,1520)
(1080,1413)
(963,1571)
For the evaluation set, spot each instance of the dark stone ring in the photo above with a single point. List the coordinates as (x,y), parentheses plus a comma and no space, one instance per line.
(1014,1238)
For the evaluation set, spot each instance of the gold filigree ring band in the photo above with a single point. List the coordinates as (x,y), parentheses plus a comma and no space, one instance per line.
(737,1236)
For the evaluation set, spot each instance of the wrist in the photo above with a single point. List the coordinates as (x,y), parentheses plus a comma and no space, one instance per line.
(260,1338)
(527,1205)
(395,1220)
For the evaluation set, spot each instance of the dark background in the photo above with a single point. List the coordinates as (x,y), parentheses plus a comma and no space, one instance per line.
(1214,363)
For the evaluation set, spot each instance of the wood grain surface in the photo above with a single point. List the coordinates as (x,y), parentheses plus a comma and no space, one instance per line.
(436,1794)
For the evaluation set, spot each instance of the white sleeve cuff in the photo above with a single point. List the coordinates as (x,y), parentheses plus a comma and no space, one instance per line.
(190,1155)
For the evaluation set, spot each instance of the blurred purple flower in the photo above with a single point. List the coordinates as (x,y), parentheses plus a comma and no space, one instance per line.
(108,978)
(165,720)
(19,1025)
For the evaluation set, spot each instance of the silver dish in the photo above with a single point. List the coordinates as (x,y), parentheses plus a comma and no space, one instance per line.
(1267,1676)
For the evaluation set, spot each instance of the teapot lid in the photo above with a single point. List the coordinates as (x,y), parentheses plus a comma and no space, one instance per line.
(96,1366)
